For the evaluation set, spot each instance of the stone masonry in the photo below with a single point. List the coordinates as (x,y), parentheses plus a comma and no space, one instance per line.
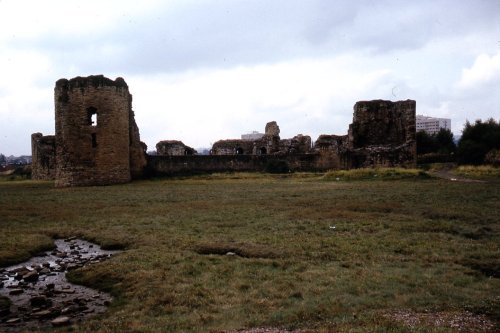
(269,144)
(43,152)
(97,140)
(382,134)
(174,148)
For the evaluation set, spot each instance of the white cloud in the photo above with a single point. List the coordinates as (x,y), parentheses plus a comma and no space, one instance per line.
(309,96)
(485,70)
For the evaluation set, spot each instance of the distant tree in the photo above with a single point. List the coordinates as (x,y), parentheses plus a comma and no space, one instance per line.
(3,159)
(441,142)
(478,140)
(445,142)
(426,143)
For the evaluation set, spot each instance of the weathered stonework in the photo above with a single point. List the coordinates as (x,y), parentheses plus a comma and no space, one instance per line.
(272,129)
(333,143)
(269,144)
(43,153)
(382,134)
(138,160)
(97,140)
(299,144)
(174,148)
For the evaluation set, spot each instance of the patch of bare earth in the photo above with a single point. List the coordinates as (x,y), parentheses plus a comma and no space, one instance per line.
(460,321)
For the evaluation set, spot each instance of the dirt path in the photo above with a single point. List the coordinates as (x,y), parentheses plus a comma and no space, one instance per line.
(447,174)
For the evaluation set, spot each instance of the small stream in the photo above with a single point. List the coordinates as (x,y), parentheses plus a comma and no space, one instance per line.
(41,295)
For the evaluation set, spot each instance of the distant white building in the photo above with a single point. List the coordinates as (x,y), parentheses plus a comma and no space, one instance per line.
(432,125)
(252,136)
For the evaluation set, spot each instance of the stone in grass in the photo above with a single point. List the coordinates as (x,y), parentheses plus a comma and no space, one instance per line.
(60,321)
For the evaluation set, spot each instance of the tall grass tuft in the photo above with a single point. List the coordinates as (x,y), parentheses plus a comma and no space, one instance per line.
(375,174)
(478,171)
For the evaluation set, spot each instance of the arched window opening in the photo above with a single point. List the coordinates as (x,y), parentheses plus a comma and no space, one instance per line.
(239,151)
(263,151)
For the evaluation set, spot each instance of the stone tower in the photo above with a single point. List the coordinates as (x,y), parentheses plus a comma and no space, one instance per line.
(97,140)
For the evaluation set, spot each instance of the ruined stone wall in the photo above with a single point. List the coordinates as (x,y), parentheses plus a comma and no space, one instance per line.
(174,148)
(332,143)
(138,160)
(299,144)
(267,144)
(232,147)
(92,131)
(43,152)
(173,165)
(332,149)
(382,122)
(382,134)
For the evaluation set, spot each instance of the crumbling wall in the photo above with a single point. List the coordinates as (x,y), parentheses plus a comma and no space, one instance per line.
(299,144)
(382,134)
(272,129)
(93,132)
(332,150)
(174,165)
(233,147)
(43,153)
(174,148)
(137,149)
(331,143)
(266,145)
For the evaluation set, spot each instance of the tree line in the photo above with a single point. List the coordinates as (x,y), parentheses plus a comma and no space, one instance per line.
(479,144)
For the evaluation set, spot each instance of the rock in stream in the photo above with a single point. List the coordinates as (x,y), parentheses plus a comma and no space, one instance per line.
(41,295)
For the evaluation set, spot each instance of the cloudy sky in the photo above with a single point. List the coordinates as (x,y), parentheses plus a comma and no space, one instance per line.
(201,70)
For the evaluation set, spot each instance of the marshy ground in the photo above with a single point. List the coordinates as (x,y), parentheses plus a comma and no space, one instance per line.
(262,253)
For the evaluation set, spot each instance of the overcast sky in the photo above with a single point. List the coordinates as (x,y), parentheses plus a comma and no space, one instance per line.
(200,71)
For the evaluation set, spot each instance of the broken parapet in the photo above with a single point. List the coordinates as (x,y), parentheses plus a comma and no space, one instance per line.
(43,152)
(97,140)
(174,148)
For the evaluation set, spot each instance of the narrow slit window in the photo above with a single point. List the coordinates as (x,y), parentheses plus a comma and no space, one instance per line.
(92,116)
(94,140)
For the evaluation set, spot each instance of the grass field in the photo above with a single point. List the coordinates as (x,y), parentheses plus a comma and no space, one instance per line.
(312,252)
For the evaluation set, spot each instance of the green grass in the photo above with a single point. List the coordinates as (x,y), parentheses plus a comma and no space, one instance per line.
(312,254)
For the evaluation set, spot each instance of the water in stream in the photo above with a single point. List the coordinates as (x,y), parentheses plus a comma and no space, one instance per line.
(40,294)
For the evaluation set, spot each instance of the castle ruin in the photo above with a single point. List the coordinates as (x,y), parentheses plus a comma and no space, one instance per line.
(97,141)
